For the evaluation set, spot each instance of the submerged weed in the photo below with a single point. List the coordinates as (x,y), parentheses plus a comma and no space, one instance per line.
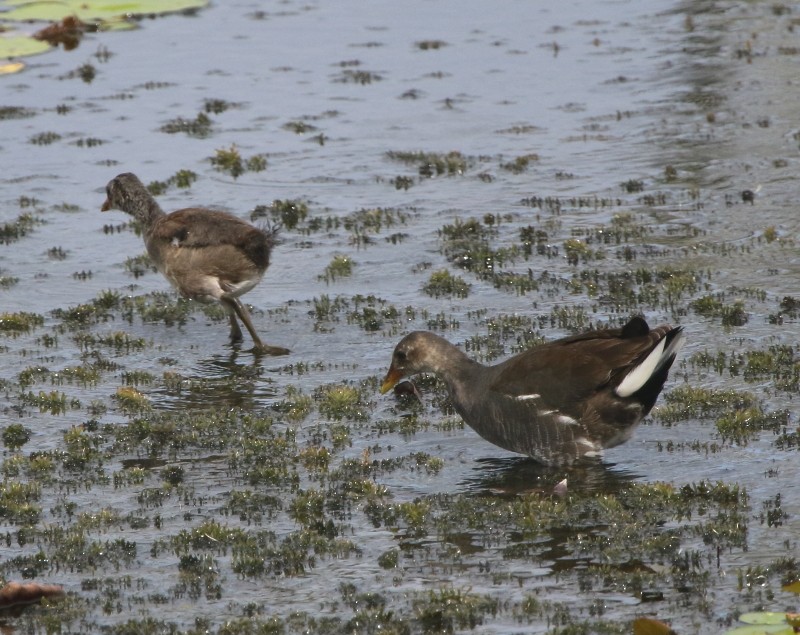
(289,213)
(16,323)
(199,127)
(431,164)
(444,284)
(15,436)
(13,231)
(342,401)
(340,267)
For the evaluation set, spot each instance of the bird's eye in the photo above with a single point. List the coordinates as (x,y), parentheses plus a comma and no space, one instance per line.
(400,356)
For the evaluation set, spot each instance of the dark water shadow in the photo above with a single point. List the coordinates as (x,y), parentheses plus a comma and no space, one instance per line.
(232,380)
(520,475)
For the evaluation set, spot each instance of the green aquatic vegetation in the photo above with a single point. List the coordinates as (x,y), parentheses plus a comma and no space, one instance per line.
(373,220)
(118,340)
(199,127)
(77,552)
(350,76)
(444,284)
(88,142)
(159,306)
(532,240)
(299,127)
(228,160)
(389,559)
(448,610)
(342,401)
(711,306)
(569,318)
(19,112)
(217,106)
(199,577)
(308,507)
(19,228)
(6,282)
(32,375)
(139,265)
(130,476)
(15,436)
(519,283)
(430,45)
(44,138)
(340,266)
(688,402)
(54,402)
(268,461)
(86,375)
(326,309)
(82,449)
(295,406)
(468,231)
(18,502)
(315,458)
(289,213)
(520,164)
(372,318)
(173,475)
(131,401)
(56,253)
(402,182)
(632,186)
(82,315)
(742,426)
(231,161)
(138,378)
(183,178)
(578,251)
(15,324)
(252,506)
(256,163)
(433,163)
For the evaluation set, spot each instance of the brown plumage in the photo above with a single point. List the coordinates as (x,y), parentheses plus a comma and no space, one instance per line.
(556,402)
(208,256)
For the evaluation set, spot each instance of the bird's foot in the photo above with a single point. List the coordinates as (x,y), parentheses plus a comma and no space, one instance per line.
(266,349)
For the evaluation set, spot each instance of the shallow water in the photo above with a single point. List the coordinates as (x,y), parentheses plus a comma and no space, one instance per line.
(604,93)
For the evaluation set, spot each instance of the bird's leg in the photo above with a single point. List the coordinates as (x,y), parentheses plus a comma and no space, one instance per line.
(244,316)
(236,332)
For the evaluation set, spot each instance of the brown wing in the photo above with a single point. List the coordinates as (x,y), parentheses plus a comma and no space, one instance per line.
(571,369)
(197,228)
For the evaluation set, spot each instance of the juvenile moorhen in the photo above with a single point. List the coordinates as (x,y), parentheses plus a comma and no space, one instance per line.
(207,255)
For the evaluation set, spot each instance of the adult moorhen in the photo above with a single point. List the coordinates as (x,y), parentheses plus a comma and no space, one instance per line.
(556,402)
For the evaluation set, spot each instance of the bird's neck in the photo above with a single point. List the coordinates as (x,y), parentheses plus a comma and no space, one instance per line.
(146,211)
(458,371)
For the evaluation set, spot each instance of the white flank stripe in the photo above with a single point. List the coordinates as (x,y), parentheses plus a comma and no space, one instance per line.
(566,419)
(639,375)
(526,397)
(637,378)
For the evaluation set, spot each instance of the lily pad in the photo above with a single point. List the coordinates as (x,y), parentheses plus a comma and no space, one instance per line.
(20,46)
(88,10)
(762,629)
(763,617)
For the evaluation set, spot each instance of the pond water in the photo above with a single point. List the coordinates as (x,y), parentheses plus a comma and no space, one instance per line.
(177,483)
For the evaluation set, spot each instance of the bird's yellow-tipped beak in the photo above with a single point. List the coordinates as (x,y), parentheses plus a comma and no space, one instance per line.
(106,206)
(390,381)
